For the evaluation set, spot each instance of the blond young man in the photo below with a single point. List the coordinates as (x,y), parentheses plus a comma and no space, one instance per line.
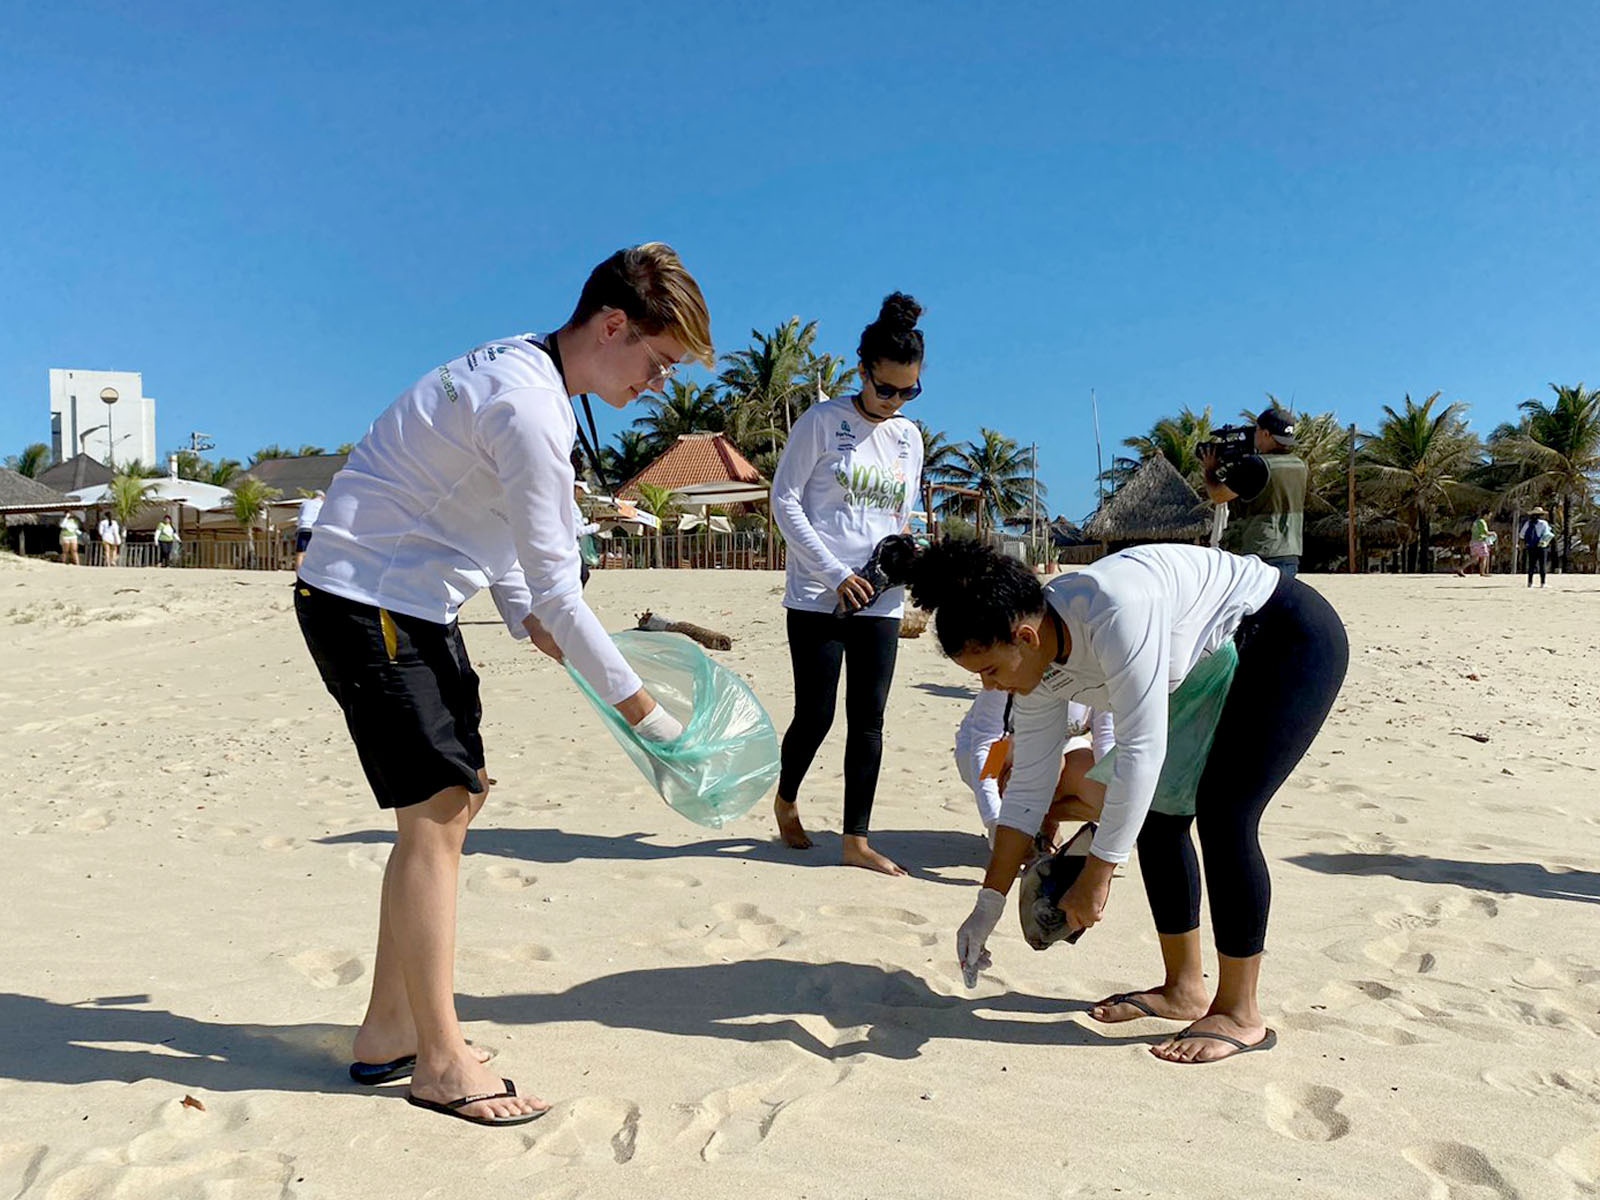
(465,483)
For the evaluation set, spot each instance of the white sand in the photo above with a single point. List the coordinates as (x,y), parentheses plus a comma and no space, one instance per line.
(192,862)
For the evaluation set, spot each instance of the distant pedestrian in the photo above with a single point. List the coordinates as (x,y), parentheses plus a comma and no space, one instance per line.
(1480,546)
(310,509)
(167,540)
(1536,538)
(70,531)
(111,538)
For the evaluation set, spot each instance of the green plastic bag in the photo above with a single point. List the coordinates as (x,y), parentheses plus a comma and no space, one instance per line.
(589,550)
(727,758)
(1192,715)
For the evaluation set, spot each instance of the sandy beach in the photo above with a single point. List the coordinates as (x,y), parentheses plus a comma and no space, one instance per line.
(192,861)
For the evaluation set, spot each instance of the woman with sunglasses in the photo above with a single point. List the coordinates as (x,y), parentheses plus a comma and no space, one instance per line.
(849,478)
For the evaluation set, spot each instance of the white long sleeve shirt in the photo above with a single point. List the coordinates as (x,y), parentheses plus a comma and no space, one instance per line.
(1138,621)
(985,724)
(844,484)
(465,482)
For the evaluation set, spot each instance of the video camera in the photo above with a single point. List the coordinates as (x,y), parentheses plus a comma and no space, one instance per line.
(1230,443)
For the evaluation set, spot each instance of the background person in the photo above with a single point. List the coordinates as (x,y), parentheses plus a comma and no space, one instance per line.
(111,538)
(1121,635)
(464,483)
(304,521)
(1269,522)
(1536,538)
(1077,797)
(849,477)
(166,540)
(71,531)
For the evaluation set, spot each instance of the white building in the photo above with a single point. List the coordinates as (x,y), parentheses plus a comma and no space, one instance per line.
(104,414)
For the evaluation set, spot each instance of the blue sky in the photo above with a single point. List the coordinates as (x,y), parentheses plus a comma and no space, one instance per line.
(284,216)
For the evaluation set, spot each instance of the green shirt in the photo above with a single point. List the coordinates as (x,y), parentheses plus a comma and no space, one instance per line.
(1272,523)
(1480,530)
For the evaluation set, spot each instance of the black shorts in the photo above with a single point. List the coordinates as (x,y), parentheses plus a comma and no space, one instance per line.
(302,539)
(408,691)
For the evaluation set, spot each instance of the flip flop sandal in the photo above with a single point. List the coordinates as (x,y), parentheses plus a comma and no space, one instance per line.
(1131,998)
(452,1108)
(372,1074)
(1266,1043)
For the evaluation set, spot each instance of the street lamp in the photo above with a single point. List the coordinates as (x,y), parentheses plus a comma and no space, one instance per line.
(109,396)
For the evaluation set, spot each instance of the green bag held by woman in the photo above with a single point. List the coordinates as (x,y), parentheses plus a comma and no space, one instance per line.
(1192,715)
(727,758)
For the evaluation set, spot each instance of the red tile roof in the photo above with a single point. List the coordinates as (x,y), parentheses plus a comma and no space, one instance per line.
(695,458)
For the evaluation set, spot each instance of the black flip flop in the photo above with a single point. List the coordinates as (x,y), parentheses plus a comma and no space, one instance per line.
(372,1074)
(1131,998)
(1266,1043)
(452,1108)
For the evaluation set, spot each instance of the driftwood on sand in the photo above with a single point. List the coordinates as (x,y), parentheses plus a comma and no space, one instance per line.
(708,638)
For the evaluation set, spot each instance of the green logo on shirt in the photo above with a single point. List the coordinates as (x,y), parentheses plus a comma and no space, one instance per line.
(870,487)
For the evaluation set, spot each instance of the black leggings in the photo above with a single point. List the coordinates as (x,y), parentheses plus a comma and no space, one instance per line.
(818,644)
(1292,659)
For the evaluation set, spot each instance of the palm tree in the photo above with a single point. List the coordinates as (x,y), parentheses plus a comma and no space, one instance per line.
(309,451)
(770,375)
(250,500)
(191,465)
(272,451)
(661,504)
(631,454)
(1555,449)
(1174,438)
(684,408)
(129,494)
(939,455)
(1419,463)
(143,470)
(999,471)
(223,473)
(345,448)
(33,459)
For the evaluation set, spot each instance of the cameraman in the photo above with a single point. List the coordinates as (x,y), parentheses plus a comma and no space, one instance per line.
(1270,486)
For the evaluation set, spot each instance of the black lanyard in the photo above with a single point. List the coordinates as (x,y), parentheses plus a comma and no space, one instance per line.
(591,442)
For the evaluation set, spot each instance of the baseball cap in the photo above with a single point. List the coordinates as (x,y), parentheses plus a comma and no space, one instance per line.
(1279,424)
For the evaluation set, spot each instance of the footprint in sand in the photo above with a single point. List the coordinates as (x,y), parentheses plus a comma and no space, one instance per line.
(277,842)
(737,929)
(93,820)
(1580,1085)
(594,1129)
(530,952)
(368,858)
(665,879)
(328,968)
(19,1166)
(1436,912)
(897,923)
(1581,1160)
(734,1121)
(1306,1113)
(498,879)
(176,1154)
(1460,1172)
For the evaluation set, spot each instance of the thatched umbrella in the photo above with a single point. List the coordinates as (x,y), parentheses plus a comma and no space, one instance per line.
(1156,505)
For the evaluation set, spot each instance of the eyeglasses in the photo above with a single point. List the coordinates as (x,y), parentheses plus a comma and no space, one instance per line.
(663,371)
(888,392)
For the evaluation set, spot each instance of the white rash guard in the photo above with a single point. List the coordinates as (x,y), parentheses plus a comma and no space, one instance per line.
(985,724)
(465,482)
(844,484)
(1139,621)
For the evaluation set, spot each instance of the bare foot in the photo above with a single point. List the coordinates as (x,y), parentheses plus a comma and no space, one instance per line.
(380,1043)
(858,854)
(789,827)
(1174,1004)
(461,1076)
(1190,1047)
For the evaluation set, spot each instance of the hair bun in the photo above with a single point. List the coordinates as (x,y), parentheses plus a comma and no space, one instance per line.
(900,312)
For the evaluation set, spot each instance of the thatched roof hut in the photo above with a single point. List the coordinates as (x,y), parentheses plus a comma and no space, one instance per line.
(1156,505)
(18,493)
(1064,533)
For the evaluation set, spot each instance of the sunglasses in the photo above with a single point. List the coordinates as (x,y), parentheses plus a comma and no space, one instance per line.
(887,392)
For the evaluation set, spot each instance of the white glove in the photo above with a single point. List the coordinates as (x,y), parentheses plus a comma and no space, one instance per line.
(658,725)
(974,932)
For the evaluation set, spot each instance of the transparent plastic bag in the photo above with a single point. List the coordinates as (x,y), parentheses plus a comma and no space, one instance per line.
(1192,715)
(727,758)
